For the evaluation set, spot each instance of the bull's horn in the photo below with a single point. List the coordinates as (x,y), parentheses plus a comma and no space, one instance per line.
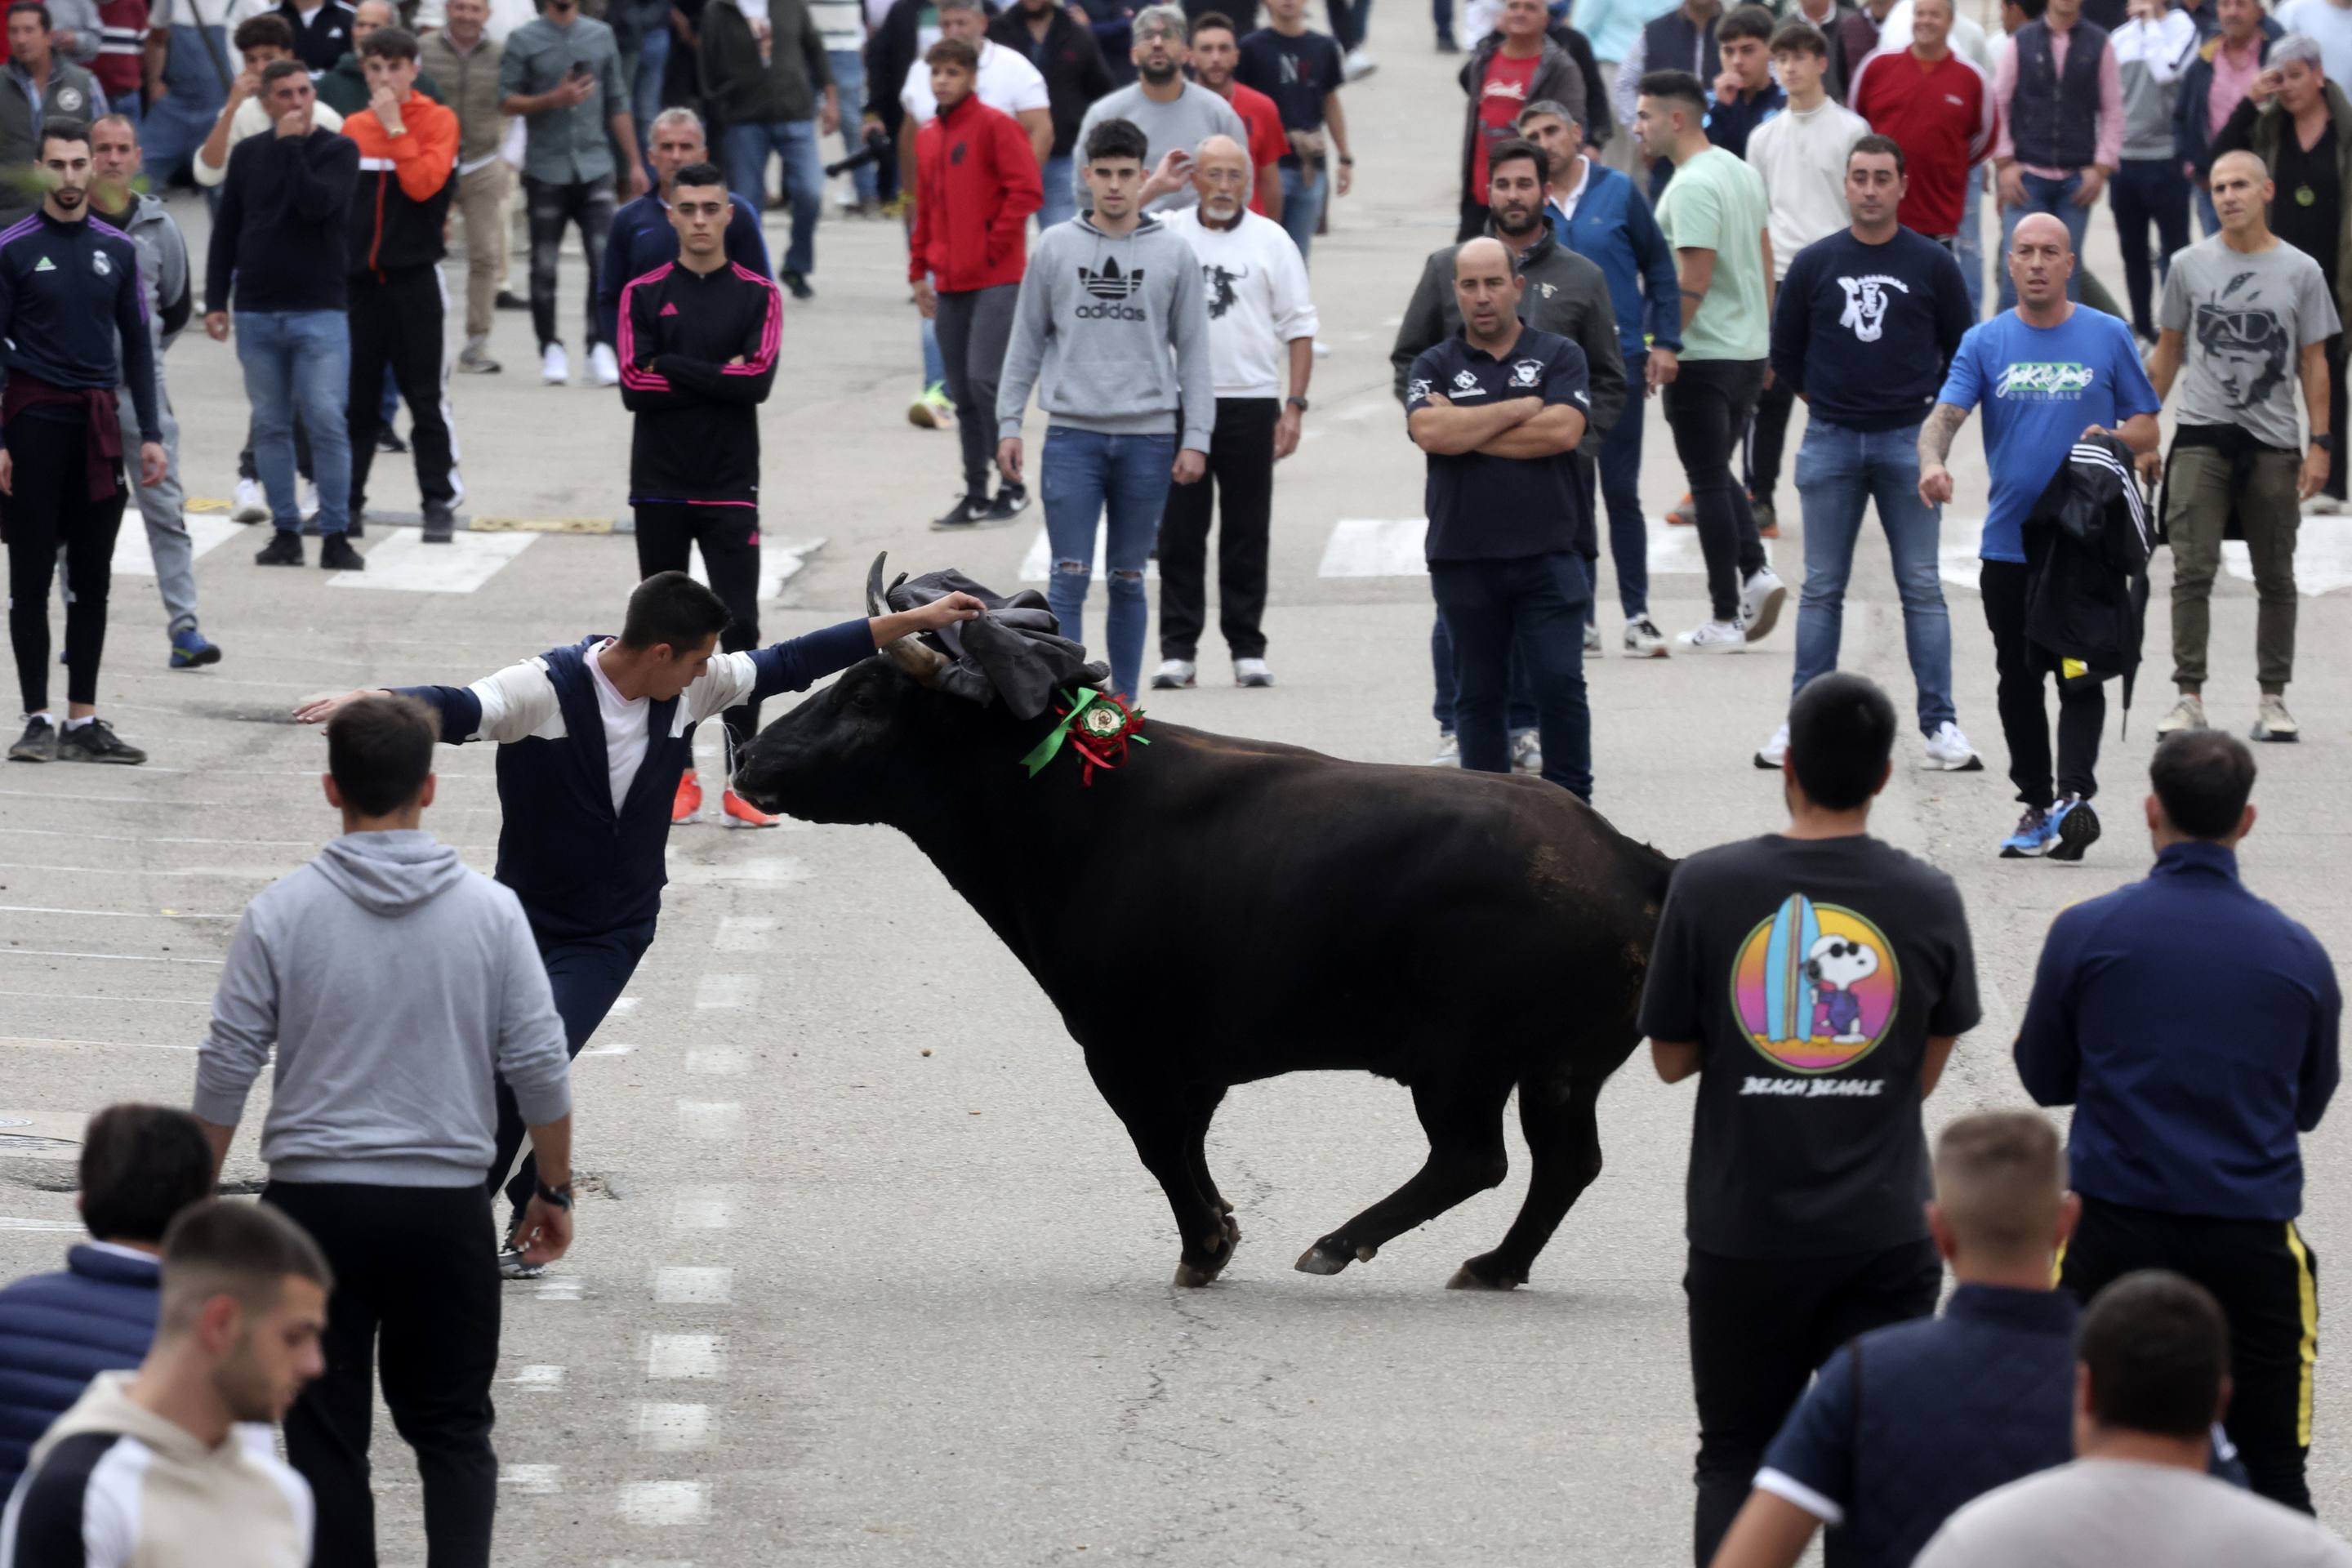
(908,653)
(875,605)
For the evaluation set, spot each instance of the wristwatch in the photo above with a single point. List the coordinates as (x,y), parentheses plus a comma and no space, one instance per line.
(1298,403)
(560,1197)
(2322,441)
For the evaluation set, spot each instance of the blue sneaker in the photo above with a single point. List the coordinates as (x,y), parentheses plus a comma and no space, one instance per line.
(191,651)
(2076,826)
(2036,832)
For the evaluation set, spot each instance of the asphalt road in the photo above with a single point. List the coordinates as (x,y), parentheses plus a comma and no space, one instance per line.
(874,1273)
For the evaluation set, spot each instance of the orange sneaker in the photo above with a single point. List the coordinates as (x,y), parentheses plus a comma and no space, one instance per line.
(1684,515)
(688,805)
(742,812)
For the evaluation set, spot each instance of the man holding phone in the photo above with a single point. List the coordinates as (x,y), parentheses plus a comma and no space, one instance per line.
(562,74)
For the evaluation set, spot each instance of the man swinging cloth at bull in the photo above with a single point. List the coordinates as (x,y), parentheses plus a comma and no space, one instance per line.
(591,739)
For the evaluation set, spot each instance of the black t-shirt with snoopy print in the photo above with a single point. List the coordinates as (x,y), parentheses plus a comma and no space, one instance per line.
(1866,331)
(1812,972)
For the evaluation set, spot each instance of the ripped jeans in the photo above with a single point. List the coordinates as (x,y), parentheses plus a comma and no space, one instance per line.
(1120,481)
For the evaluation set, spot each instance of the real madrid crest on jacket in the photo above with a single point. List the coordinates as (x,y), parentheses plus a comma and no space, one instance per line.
(68,94)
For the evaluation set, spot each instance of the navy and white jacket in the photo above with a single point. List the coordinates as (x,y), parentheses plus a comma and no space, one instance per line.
(58,1330)
(580,868)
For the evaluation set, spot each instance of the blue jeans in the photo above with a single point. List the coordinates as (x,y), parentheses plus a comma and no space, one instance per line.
(2056,197)
(2148,191)
(1061,200)
(2206,214)
(1971,249)
(1303,195)
(129,105)
(849,75)
(1520,715)
(1532,605)
(1839,472)
(935,366)
(1088,478)
(794,141)
(299,362)
(1620,492)
(646,91)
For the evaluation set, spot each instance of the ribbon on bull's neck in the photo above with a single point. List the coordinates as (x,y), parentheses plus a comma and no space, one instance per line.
(1095,724)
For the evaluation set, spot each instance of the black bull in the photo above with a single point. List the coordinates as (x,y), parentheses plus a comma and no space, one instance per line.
(1461,934)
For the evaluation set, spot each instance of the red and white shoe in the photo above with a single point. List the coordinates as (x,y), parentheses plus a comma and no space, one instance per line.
(740,812)
(688,805)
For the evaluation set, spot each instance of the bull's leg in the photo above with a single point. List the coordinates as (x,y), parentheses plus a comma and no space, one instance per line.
(1465,1124)
(1560,1120)
(1204,1101)
(1167,1127)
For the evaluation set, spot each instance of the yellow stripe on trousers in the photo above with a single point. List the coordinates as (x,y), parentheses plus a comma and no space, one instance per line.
(2307,1291)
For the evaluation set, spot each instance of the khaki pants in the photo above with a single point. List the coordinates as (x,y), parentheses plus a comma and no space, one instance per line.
(482,204)
(1624,153)
(2267,510)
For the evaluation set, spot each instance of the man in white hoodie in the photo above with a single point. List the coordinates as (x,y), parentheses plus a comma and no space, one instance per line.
(1253,282)
(381,1123)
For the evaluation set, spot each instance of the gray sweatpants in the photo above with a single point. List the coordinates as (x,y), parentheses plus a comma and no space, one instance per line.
(975,326)
(160,507)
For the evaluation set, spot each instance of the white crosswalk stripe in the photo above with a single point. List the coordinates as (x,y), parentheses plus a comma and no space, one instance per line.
(132,558)
(402,562)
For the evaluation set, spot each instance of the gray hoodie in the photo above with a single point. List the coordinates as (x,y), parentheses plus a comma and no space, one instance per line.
(394,983)
(1096,318)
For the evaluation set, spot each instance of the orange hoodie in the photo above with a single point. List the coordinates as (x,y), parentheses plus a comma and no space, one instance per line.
(401,204)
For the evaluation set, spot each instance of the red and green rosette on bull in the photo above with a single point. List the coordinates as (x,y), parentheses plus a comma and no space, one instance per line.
(1095,724)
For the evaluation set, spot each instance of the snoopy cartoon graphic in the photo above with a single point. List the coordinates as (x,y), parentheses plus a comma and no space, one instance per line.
(1836,964)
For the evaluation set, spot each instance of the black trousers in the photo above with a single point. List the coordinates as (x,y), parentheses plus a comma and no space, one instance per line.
(1707,407)
(667,534)
(416,1289)
(51,508)
(2024,718)
(974,327)
(1240,481)
(548,210)
(1767,438)
(1759,1328)
(2339,417)
(2267,1279)
(587,976)
(397,321)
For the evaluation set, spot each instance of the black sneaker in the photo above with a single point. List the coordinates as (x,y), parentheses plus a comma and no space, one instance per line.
(2077,826)
(95,741)
(512,1265)
(508,299)
(357,527)
(1011,501)
(387,440)
(440,525)
(336,554)
(967,512)
(284,548)
(39,744)
(798,284)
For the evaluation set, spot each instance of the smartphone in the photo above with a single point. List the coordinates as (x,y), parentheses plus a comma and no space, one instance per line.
(579,72)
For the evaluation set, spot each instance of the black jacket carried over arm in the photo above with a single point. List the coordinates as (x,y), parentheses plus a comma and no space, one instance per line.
(1068,58)
(2087,542)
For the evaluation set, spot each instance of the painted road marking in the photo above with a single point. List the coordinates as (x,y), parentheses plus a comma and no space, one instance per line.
(702,1208)
(11,1222)
(710,1120)
(559,1290)
(2323,557)
(673,1428)
(695,1357)
(715,991)
(657,1503)
(1037,564)
(680,1285)
(780,560)
(1392,547)
(538,1377)
(133,559)
(405,563)
(746,933)
(533,1480)
(718,1061)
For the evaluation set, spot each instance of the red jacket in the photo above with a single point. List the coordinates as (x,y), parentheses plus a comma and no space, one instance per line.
(975,186)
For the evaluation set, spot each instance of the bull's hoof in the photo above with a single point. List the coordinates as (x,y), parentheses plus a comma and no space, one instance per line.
(1233,1229)
(1332,1254)
(1191,1278)
(1481,1274)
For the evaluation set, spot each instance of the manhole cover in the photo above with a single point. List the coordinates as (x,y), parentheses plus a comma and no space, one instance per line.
(29,1144)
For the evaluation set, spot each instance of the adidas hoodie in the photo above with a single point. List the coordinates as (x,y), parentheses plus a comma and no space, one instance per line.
(1114,333)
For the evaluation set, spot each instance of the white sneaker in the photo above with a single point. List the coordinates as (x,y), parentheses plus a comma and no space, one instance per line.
(1526,752)
(1449,750)
(251,505)
(1252,672)
(1775,751)
(1322,349)
(1174,674)
(1948,751)
(1759,604)
(1715,636)
(2188,713)
(1592,639)
(2323,506)
(2274,723)
(554,365)
(602,366)
(307,499)
(1644,640)
(1357,65)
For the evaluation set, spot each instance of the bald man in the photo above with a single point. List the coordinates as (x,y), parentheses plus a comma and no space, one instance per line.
(1498,406)
(2048,373)
(2247,316)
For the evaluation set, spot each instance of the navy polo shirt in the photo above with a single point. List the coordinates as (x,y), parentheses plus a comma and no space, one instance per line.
(1484,507)
(2194,1028)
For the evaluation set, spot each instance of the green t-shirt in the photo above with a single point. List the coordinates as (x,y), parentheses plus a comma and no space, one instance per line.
(1716,202)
